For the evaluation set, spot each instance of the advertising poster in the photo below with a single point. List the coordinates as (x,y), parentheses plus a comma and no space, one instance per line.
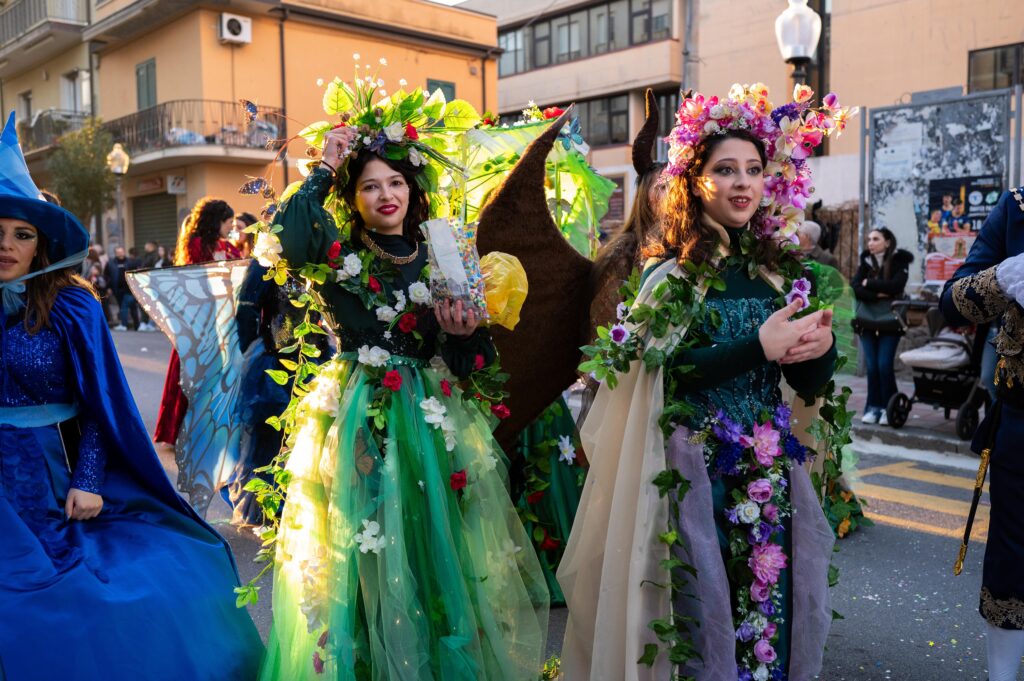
(957,208)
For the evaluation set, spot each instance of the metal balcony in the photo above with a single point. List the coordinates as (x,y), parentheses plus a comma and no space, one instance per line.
(47,127)
(33,31)
(190,130)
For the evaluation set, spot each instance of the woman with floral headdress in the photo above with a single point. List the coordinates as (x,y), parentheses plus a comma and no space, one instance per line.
(700,547)
(105,572)
(399,553)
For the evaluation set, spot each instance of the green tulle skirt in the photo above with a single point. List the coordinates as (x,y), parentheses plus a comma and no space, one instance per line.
(553,477)
(387,567)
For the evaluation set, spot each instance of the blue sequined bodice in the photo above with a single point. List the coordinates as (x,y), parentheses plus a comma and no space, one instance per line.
(744,396)
(34,369)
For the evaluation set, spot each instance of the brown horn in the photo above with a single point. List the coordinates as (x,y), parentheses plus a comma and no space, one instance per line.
(643,143)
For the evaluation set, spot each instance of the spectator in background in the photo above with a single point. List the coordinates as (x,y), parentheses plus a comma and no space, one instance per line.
(99,282)
(879,280)
(162,259)
(243,241)
(147,261)
(809,234)
(128,308)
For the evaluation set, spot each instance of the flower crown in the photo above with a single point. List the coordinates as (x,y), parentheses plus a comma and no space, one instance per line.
(789,133)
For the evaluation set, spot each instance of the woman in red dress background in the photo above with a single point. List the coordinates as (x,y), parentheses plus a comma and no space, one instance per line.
(203,238)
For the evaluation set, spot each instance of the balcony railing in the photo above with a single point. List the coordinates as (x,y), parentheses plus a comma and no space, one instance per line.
(196,122)
(17,19)
(47,127)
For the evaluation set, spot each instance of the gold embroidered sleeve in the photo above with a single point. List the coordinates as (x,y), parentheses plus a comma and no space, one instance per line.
(978,297)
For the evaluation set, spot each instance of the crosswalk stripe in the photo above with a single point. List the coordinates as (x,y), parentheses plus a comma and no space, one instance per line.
(910,471)
(978,535)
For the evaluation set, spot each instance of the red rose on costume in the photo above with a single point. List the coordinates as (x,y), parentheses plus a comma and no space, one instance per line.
(501,411)
(410,132)
(553,112)
(407,322)
(446,387)
(373,284)
(549,543)
(339,125)
(535,497)
(458,480)
(318,663)
(488,121)
(334,251)
(478,362)
(322,641)
(393,380)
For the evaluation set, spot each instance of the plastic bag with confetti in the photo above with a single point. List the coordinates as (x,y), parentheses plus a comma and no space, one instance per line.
(455,264)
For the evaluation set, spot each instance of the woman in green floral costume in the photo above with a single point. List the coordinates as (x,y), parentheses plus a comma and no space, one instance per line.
(399,554)
(700,546)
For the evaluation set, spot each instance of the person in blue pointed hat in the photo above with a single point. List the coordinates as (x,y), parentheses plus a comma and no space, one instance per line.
(105,572)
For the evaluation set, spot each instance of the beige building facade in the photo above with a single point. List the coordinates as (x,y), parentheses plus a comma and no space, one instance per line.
(872,53)
(166,77)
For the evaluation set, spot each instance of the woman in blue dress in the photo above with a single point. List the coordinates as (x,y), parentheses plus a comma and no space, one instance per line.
(105,572)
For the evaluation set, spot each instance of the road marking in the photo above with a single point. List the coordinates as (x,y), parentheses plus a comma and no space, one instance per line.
(894,500)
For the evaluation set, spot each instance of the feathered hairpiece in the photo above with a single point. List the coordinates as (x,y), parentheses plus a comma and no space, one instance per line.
(789,133)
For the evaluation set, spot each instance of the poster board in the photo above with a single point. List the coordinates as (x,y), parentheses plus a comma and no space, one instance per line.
(957,208)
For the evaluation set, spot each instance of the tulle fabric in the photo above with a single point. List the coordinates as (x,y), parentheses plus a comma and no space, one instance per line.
(454,593)
(708,597)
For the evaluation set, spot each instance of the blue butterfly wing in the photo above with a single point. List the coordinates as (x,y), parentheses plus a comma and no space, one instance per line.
(195,307)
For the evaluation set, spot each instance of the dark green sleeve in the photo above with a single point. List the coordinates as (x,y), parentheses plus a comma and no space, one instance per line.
(309,230)
(807,378)
(720,362)
(460,354)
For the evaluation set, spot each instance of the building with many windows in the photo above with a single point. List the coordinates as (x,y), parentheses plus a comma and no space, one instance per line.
(603,53)
(166,77)
(600,56)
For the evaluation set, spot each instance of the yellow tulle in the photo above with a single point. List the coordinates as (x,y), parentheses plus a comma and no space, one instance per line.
(506,288)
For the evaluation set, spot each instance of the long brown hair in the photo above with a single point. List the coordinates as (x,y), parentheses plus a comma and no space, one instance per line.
(683,234)
(41,292)
(418,209)
(204,222)
(640,230)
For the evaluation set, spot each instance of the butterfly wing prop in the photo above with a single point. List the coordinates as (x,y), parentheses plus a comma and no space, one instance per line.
(542,354)
(195,305)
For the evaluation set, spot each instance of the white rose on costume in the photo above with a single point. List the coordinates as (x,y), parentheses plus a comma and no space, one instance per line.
(448,429)
(488,463)
(386,314)
(416,158)
(761,673)
(395,132)
(419,293)
(267,249)
(352,265)
(712,128)
(367,539)
(374,357)
(748,512)
(717,111)
(433,411)
(758,622)
(326,397)
(400,301)
(367,140)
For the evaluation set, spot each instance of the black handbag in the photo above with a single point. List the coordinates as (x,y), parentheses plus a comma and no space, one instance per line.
(875,315)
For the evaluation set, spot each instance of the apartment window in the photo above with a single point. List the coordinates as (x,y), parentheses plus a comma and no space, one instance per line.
(598,29)
(25,106)
(604,120)
(75,93)
(446,87)
(995,68)
(145,84)
(668,103)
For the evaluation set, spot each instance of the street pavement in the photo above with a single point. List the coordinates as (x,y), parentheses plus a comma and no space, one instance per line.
(905,616)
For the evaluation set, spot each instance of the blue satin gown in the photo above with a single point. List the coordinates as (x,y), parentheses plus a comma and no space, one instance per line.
(144,590)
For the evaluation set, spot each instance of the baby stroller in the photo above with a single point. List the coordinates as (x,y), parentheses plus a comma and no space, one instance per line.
(946,372)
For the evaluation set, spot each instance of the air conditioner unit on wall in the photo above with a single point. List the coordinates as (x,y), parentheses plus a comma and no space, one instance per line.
(235,29)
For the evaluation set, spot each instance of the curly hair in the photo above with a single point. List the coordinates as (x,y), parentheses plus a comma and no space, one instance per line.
(684,235)
(418,208)
(204,222)
(41,292)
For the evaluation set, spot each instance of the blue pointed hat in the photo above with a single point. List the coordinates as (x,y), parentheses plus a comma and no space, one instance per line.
(20,199)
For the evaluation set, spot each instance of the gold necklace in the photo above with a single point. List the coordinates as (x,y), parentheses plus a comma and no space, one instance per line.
(381,253)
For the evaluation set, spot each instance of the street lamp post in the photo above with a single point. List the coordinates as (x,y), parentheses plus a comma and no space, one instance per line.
(117,162)
(797,31)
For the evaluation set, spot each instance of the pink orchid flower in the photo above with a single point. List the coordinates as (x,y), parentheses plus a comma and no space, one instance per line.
(765,442)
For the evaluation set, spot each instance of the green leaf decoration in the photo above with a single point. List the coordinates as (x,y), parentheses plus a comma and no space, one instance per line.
(434,108)
(460,115)
(314,133)
(337,99)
